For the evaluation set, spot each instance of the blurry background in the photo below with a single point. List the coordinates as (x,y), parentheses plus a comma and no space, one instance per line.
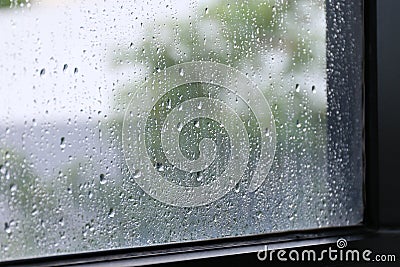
(67,71)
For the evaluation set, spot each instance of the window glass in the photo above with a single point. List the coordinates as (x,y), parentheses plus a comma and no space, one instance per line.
(133,123)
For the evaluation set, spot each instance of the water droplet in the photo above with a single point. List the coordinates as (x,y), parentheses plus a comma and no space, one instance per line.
(75,70)
(137,174)
(7,228)
(65,67)
(200,105)
(267,133)
(160,167)
(111,213)
(62,143)
(200,176)
(13,188)
(197,123)
(179,126)
(42,72)
(297,88)
(313,89)
(103,179)
(34,212)
(206,10)
(181,72)
(298,124)
(237,188)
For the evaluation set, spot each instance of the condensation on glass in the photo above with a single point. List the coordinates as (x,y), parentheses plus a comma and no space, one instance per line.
(78,98)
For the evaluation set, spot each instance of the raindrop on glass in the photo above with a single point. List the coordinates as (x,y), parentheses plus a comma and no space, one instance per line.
(179,126)
(137,174)
(62,143)
(200,176)
(297,88)
(160,167)
(7,228)
(103,179)
(111,213)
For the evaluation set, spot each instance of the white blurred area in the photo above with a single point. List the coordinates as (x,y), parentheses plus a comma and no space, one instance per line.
(56,56)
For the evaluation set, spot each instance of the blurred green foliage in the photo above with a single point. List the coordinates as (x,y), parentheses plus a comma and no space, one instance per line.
(5,3)
(8,3)
(227,32)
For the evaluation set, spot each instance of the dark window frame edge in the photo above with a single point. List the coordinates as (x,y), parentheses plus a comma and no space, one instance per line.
(175,252)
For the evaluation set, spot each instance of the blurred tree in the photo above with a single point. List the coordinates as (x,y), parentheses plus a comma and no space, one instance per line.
(12,3)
